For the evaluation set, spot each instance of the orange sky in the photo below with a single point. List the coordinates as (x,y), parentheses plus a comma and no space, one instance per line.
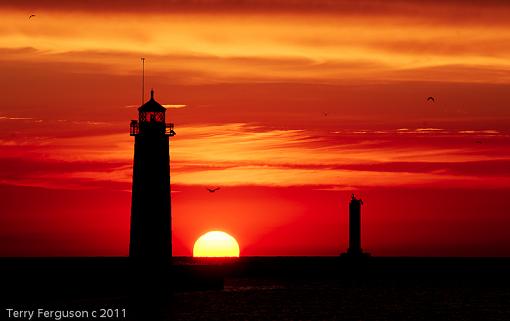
(294,103)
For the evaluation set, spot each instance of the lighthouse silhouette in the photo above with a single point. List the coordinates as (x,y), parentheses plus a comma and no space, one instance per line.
(151,234)
(354,249)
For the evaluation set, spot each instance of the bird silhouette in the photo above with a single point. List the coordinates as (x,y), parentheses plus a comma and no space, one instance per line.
(212,190)
(31,16)
(431,98)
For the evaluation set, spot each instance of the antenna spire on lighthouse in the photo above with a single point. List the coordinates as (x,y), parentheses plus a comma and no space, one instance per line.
(143,79)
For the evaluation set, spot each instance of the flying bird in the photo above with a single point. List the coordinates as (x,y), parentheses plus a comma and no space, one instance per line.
(31,16)
(212,190)
(431,98)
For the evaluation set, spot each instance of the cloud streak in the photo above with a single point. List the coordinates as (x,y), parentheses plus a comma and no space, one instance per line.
(363,7)
(402,41)
(237,154)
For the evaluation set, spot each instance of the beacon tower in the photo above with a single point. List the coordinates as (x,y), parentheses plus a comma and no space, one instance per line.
(355,249)
(151,230)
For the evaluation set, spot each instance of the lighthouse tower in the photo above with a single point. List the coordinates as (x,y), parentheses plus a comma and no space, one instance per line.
(151,234)
(355,249)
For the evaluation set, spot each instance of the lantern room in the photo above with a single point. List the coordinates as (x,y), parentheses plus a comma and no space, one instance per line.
(151,118)
(151,111)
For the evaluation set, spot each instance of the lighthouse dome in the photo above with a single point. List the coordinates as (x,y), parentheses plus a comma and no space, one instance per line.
(152,105)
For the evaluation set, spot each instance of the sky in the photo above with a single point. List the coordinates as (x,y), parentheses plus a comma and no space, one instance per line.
(289,106)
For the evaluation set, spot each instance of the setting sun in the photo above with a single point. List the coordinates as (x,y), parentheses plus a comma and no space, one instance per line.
(216,244)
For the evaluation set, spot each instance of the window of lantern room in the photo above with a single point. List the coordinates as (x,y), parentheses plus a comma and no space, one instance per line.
(152,117)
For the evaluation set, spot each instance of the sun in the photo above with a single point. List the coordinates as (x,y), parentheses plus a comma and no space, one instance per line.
(216,244)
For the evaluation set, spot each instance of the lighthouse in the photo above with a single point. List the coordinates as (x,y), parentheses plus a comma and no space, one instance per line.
(355,249)
(151,212)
